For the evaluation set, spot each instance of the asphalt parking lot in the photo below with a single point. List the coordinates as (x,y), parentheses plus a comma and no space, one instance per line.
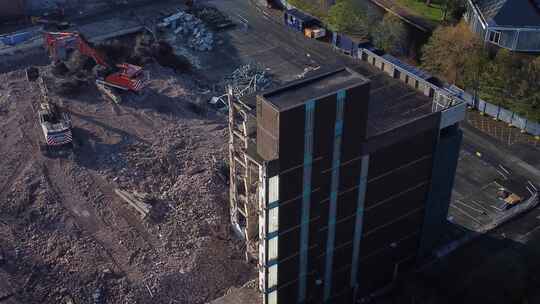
(261,37)
(480,176)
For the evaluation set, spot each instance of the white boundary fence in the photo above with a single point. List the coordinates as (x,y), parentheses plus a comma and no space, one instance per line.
(498,112)
(444,96)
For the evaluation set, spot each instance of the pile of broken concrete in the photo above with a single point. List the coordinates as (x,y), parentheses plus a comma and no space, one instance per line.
(192,29)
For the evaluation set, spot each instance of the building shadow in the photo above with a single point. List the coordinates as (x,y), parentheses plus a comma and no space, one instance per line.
(490,268)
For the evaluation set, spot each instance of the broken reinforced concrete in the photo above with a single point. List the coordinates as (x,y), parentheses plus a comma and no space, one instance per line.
(136,200)
(191,28)
(325,193)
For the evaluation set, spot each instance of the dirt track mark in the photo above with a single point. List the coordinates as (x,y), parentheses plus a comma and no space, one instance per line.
(25,159)
(120,210)
(85,218)
(72,200)
(21,167)
(107,234)
(108,127)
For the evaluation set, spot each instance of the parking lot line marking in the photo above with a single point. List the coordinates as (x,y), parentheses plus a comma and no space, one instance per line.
(497,184)
(532,185)
(504,169)
(479,205)
(467,214)
(531,231)
(472,208)
(502,174)
(496,208)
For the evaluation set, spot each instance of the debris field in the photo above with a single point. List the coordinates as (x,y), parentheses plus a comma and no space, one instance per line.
(66,236)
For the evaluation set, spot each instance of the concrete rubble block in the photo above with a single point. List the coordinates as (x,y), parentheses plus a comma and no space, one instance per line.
(192,30)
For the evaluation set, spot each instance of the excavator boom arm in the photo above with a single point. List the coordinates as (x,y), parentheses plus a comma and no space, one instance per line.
(66,40)
(124,76)
(89,51)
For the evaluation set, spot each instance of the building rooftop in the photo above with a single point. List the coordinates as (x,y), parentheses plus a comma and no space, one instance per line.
(513,13)
(324,82)
(391,103)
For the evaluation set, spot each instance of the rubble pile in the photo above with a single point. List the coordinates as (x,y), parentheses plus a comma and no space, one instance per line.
(181,168)
(248,79)
(159,168)
(47,255)
(192,29)
(67,237)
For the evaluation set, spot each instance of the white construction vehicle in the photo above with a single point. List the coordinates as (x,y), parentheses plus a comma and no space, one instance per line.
(55,123)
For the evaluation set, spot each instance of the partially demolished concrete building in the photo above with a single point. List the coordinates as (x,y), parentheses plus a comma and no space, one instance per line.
(340,182)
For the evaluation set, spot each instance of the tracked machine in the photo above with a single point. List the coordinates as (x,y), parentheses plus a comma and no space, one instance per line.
(54,121)
(109,76)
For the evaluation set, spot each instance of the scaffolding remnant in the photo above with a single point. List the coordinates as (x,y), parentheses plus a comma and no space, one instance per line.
(245,173)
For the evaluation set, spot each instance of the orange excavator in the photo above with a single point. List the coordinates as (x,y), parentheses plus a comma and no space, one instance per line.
(125,76)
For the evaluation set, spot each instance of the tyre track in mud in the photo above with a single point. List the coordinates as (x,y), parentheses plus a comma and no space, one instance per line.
(120,210)
(108,190)
(85,218)
(23,114)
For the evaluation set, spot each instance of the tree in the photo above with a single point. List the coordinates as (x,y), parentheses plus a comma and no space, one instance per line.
(473,70)
(390,35)
(513,82)
(314,8)
(533,93)
(509,80)
(448,50)
(525,95)
(346,16)
(500,79)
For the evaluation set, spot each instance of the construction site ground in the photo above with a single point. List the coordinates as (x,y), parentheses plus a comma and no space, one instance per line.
(66,237)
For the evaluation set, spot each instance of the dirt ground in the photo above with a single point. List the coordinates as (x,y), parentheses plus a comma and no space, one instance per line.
(66,237)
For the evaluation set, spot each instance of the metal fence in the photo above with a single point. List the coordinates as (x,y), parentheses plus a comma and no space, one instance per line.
(449,94)
(498,112)
(443,98)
